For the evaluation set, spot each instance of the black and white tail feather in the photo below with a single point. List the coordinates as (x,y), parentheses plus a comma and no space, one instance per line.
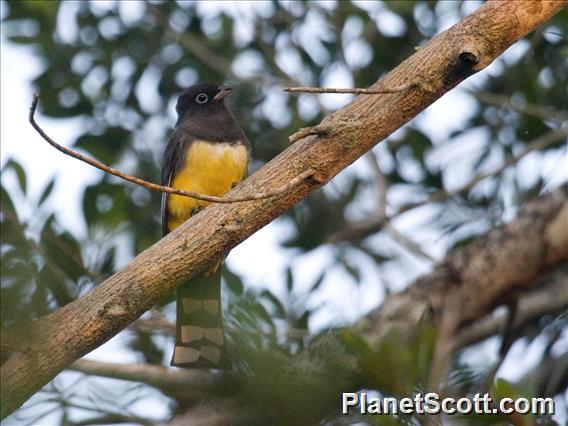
(199,331)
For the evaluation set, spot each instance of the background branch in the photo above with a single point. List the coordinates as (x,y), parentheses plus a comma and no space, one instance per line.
(197,384)
(548,300)
(471,282)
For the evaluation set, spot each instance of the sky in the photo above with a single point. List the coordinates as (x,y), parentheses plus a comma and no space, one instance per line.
(42,162)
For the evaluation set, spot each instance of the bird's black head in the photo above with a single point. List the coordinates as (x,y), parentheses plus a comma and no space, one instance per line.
(202,97)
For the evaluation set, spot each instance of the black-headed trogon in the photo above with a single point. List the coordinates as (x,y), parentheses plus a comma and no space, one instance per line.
(207,153)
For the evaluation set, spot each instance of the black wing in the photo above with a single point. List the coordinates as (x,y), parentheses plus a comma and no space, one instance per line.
(172,160)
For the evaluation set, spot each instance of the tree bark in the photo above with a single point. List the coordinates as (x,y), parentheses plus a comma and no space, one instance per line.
(345,135)
(471,282)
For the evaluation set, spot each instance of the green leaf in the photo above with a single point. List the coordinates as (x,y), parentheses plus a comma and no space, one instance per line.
(355,343)
(62,251)
(46,192)
(233,281)
(20,173)
(276,303)
(289,280)
(317,282)
(502,388)
(7,206)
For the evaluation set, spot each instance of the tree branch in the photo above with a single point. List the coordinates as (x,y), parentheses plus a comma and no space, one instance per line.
(550,299)
(449,58)
(473,281)
(198,384)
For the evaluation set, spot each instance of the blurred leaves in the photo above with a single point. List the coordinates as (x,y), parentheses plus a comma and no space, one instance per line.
(39,260)
(395,366)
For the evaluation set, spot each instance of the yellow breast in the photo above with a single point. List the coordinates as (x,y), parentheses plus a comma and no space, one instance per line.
(210,168)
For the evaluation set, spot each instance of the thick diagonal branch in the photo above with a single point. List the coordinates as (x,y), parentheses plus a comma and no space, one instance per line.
(83,325)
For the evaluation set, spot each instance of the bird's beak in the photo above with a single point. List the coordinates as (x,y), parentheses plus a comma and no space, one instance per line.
(223,91)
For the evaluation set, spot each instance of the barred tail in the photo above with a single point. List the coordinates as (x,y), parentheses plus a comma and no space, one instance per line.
(199,325)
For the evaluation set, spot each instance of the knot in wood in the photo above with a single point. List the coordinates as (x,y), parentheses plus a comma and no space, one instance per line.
(112,310)
(468,58)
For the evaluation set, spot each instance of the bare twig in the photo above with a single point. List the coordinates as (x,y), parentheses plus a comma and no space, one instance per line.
(356,91)
(408,243)
(381,182)
(382,186)
(210,198)
(448,327)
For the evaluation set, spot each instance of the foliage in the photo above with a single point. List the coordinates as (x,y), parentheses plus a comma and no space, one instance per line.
(119,67)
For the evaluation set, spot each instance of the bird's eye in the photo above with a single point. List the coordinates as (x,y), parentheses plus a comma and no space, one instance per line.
(201,98)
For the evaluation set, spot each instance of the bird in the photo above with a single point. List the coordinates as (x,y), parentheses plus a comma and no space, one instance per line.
(207,153)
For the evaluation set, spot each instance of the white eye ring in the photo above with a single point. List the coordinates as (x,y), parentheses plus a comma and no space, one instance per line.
(201,98)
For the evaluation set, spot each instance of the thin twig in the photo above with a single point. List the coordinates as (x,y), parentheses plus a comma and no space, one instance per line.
(356,91)
(210,198)
(408,243)
(382,186)
(321,129)
(381,182)
(448,327)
